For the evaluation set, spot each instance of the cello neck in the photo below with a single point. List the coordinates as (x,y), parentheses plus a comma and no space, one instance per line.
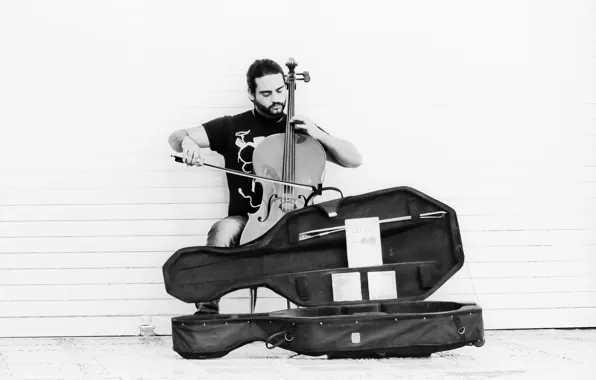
(289,141)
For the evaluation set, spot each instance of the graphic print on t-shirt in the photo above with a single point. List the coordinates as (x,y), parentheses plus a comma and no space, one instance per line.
(245,152)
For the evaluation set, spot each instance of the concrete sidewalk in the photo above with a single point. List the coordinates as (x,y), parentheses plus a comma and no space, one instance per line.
(525,354)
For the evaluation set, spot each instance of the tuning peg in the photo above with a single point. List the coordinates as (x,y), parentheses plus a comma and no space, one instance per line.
(305,76)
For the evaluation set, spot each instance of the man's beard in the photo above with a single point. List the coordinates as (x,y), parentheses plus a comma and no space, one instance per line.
(267,111)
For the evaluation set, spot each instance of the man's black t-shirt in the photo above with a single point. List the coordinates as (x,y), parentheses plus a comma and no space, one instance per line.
(235,138)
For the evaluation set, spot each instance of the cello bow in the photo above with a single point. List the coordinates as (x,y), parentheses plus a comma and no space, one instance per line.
(242,174)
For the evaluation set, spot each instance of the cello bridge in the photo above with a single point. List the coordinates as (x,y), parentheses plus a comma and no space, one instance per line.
(288,205)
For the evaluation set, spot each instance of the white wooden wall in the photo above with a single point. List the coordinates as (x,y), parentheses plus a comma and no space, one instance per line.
(487,106)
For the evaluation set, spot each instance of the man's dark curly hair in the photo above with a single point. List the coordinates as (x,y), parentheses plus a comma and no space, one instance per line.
(259,68)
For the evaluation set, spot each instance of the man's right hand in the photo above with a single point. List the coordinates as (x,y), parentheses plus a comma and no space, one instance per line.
(191,152)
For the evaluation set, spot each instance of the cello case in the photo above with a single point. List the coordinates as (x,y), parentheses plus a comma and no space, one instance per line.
(420,252)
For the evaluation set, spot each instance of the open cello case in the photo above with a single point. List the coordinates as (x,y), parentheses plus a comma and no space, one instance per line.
(343,311)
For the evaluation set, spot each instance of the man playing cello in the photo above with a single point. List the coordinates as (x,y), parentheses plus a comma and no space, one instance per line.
(236,137)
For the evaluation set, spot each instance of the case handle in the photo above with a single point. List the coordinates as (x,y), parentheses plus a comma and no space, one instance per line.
(461,330)
(286,338)
(320,190)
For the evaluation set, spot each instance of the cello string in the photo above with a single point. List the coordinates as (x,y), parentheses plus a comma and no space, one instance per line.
(287,140)
(290,134)
(287,147)
(286,150)
(292,148)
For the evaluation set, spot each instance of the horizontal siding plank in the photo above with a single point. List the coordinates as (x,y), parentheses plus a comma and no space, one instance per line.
(526,222)
(102,292)
(192,177)
(140,259)
(490,283)
(464,209)
(151,164)
(487,170)
(144,259)
(130,325)
(540,318)
(522,301)
(113,212)
(64,326)
(93,276)
(131,120)
(73,260)
(110,196)
(98,228)
(543,253)
(81,326)
(105,292)
(101,243)
(154,156)
(522,285)
(536,206)
(519,238)
(537,301)
(68,292)
(463,189)
(156,307)
(505,239)
(149,291)
(534,284)
(533,269)
(173,227)
(95,308)
(150,159)
(81,276)
(81,292)
(463,298)
(501,190)
(483,256)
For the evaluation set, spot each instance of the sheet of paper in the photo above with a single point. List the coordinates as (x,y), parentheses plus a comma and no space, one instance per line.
(363,242)
(346,287)
(381,285)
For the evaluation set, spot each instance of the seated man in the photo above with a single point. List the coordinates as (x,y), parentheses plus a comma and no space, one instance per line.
(236,137)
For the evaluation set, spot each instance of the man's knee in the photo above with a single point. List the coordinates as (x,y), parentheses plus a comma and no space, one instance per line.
(226,232)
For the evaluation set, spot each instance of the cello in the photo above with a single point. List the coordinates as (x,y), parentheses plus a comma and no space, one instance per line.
(286,158)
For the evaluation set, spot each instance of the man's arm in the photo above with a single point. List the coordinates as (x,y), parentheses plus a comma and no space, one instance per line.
(342,152)
(197,134)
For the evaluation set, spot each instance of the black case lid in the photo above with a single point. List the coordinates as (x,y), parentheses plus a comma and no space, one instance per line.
(420,252)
